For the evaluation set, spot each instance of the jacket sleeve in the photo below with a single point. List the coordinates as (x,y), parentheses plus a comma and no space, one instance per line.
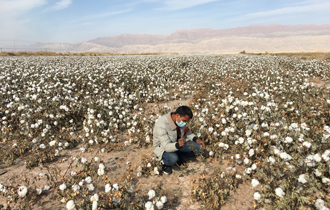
(190,136)
(165,141)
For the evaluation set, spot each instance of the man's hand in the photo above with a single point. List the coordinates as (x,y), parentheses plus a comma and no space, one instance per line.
(200,142)
(181,142)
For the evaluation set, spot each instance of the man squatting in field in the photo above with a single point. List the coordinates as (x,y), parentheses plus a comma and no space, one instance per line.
(173,141)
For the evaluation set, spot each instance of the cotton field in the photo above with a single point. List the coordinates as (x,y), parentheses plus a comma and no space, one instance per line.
(266,115)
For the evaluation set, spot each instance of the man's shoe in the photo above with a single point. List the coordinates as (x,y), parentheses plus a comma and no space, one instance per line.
(167,169)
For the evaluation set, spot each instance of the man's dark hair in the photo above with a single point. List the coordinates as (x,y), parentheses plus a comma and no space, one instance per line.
(183,111)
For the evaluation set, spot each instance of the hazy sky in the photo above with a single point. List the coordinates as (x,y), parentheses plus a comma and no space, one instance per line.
(28,21)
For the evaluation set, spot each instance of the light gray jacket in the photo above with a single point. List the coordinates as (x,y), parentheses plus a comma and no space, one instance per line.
(165,135)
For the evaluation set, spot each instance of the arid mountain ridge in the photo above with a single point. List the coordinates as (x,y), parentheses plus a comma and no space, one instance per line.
(254,38)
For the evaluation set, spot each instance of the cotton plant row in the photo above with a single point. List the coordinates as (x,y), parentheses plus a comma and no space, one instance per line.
(85,187)
(48,97)
(277,127)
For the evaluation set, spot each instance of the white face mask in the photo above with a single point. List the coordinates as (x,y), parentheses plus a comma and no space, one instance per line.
(181,124)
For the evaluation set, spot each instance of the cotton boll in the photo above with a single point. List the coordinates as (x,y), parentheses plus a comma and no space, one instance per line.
(246,161)
(302,178)
(326,181)
(163,199)
(279,192)
(107,188)
(211,153)
(90,187)
(115,187)
(95,197)
(257,196)
(317,158)
(75,188)
(94,205)
(38,191)
(70,205)
(151,194)
(46,187)
(97,159)
(254,182)
(88,179)
(149,206)
(62,187)
(159,204)
(254,167)
(83,160)
(251,152)
(319,204)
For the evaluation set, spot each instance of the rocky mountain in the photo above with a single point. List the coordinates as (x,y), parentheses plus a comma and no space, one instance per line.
(254,38)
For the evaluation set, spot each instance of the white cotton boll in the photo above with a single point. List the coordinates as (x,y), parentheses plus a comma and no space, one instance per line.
(38,191)
(62,187)
(148,139)
(95,197)
(248,133)
(52,143)
(246,161)
(302,178)
(307,144)
(279,192)
(257,196)
(149,206)
(81,183)
(317,173)
(285,156)
(326,181)
(159,205)
(88,179)
(254,182)
(251,152)
(94,205)
(100,172)
(75,187)
(211,153)
(90,187)
(46,187)
(70,205)
(151,194)
(42,146)
(163,199)
(271,160)
(237,156)
(276,151)
(149,165)
(66,144)
(241,140)
(90,142)
(319,204)
(254,167)
(97,159)
(107,188)
(115,187)
(103,150)
(288,140)
(82,149)
(317,158)
(83,160)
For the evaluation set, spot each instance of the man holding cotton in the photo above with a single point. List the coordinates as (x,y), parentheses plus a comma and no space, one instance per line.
(173,141)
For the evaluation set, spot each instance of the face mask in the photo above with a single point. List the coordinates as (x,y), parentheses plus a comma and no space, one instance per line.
(181,124)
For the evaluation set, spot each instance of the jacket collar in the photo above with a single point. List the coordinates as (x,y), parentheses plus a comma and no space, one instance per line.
(170,121)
